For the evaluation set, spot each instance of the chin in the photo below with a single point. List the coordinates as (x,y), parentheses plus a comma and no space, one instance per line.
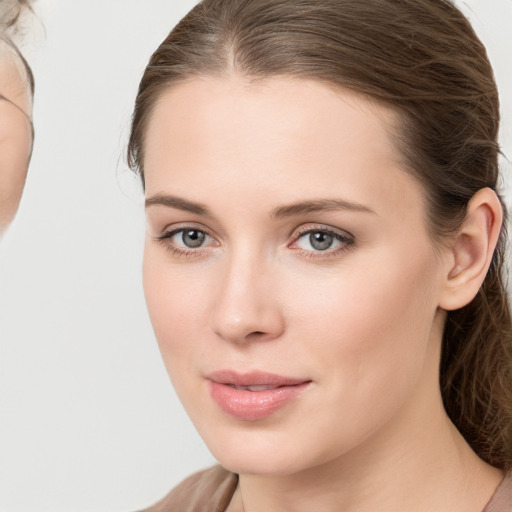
(263,452)
(261,464)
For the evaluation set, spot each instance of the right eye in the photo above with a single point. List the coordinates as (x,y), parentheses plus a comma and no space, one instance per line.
(190,238)
(186,240)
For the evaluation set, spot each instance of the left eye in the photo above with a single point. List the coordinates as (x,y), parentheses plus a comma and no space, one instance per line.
(189,238)
(320,240)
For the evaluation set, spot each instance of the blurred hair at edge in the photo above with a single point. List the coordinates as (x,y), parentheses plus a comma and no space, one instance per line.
(424,60)
(16,95)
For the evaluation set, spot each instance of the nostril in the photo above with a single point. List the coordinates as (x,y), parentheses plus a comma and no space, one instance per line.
(256,334)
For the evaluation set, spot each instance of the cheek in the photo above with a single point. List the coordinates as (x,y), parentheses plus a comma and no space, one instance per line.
(176,304)
(162,292)
(371,325)
(380,297)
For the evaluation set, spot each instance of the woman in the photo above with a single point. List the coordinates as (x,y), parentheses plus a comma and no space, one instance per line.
(16,130)
(324,253)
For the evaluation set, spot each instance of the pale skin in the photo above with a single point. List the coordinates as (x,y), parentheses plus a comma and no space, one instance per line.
(15,133)
(255,168)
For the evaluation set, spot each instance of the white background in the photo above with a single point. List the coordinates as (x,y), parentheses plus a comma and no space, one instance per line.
(88,419)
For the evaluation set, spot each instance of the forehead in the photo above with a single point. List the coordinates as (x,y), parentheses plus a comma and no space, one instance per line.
(231,97)
(281,134)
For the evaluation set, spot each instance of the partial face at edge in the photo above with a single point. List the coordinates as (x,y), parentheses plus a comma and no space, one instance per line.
(284,238)
(15,132)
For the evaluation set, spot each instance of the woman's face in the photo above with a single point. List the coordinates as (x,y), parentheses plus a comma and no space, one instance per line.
(288,270)
(15,132)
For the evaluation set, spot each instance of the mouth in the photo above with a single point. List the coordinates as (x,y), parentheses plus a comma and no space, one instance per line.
(252,388)
(256,395)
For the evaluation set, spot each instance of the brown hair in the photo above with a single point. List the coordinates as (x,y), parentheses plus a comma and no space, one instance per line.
(422,58)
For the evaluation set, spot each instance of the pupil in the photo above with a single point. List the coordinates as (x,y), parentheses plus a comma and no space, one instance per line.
(193,238)
(320,241)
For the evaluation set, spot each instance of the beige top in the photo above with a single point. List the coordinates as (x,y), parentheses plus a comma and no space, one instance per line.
(211,490)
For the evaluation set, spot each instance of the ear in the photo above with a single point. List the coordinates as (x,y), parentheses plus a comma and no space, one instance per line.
(471,250)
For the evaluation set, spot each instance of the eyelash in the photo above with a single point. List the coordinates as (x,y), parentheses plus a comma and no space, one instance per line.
(165,240)
(345,240)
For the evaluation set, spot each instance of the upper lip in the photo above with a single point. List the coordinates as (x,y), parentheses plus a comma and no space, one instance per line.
(253,378)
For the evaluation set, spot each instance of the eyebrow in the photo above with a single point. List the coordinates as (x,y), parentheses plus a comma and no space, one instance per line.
(318,205)
(299,208)
(178,203)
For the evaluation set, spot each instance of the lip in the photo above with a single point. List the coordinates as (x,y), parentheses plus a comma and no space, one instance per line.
(256,404)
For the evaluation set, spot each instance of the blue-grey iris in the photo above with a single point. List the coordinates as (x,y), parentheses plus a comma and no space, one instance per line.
(320,240)
(193,238)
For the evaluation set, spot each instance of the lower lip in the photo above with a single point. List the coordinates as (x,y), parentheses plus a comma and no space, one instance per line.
(254,405)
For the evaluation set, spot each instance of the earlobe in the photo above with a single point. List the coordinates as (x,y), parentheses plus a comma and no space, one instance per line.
(472,250)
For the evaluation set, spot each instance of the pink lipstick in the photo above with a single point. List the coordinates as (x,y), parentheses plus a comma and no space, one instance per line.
(255,395)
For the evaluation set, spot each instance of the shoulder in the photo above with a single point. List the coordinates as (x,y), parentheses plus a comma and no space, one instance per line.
(501,500)
(210,490)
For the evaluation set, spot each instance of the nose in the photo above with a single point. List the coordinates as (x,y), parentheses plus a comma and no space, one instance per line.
(246,306)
